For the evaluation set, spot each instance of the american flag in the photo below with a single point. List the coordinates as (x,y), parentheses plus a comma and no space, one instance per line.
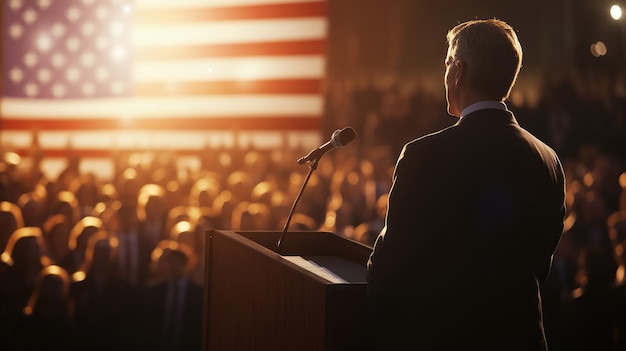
(97,75)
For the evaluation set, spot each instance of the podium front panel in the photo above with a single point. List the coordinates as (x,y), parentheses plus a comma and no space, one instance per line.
(257,299)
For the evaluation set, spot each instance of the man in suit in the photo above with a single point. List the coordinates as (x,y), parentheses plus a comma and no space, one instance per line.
(474,215)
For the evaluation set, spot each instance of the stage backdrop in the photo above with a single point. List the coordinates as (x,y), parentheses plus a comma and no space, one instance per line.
(101,75)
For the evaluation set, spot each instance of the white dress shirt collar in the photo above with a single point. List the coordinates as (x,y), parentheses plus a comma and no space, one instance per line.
(483,105)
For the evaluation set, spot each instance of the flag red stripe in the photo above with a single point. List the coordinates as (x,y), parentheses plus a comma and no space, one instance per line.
(285,123)
(281,48)
(279,86)
(189,15)
(99,153)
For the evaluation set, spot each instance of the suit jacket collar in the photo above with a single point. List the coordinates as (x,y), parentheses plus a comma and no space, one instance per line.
(488,116)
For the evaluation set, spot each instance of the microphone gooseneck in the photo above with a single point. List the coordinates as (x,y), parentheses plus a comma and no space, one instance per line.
(339,139)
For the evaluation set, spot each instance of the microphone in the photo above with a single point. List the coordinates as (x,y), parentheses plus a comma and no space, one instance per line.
(339,139)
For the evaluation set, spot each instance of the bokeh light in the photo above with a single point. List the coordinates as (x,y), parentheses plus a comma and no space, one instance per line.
(598,49)
(616,12)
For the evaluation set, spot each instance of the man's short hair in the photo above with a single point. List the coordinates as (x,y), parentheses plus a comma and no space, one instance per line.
(491,52)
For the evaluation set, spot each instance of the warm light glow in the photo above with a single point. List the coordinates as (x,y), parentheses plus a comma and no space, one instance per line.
(73,14)
(129,173)
(16,75)
(172,186)
(72,44)
(588,179)
(114,242)
(79,276)
(330,220)
(6,258)
(72,74)
(44,43)
(29,16)
(598,49)
(30,59)
(58,90)
(102,42)
(87,59)
(44,4)
(616,12)
(15,4)
(102,74)
(569,222)
(88,89)
(119,53)
(100,207)
(58,30)
(182,227)
(622,180)
(58,60)
(12,158)
(88,28)
(16,31)
(102,13)
(31,89)
(117,28)
(150,190)
(44,75)
(353,178)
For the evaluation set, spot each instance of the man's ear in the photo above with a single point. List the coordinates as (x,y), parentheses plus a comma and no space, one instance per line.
(461,72)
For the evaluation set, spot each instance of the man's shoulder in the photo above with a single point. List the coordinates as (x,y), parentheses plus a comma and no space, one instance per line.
(432,138)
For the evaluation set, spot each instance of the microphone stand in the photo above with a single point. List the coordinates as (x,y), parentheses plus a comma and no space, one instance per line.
(312,167)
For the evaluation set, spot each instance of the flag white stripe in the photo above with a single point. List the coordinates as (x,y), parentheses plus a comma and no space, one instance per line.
(165,4)
(143,139)
(229,32)
(167,107)
(238,69)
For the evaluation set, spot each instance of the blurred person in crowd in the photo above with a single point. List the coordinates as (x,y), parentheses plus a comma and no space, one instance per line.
(65,203)
(77,243)
(10,185)
(20,263)
(86,190)
(10,219)
(33,206)
(151,214)
(48,319)
(172,311)
(474,215)
(587,320)
(368,231)
(56,234)
(133,258)
(100,297)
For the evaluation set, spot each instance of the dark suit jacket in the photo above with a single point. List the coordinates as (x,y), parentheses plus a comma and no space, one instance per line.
(475,213)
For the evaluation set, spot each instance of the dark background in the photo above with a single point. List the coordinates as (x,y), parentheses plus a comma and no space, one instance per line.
(407,37)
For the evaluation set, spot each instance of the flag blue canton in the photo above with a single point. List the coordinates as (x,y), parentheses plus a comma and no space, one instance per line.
(67,49)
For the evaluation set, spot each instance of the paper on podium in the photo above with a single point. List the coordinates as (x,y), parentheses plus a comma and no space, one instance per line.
(334,269)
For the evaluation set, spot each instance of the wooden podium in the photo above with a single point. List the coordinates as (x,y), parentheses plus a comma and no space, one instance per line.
(310,297)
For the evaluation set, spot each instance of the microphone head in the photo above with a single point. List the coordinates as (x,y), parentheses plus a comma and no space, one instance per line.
(343,137)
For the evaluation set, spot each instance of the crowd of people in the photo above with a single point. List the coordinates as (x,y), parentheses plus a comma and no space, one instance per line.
(90,263)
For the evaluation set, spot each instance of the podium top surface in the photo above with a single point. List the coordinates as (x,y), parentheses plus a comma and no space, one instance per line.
(325,255)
